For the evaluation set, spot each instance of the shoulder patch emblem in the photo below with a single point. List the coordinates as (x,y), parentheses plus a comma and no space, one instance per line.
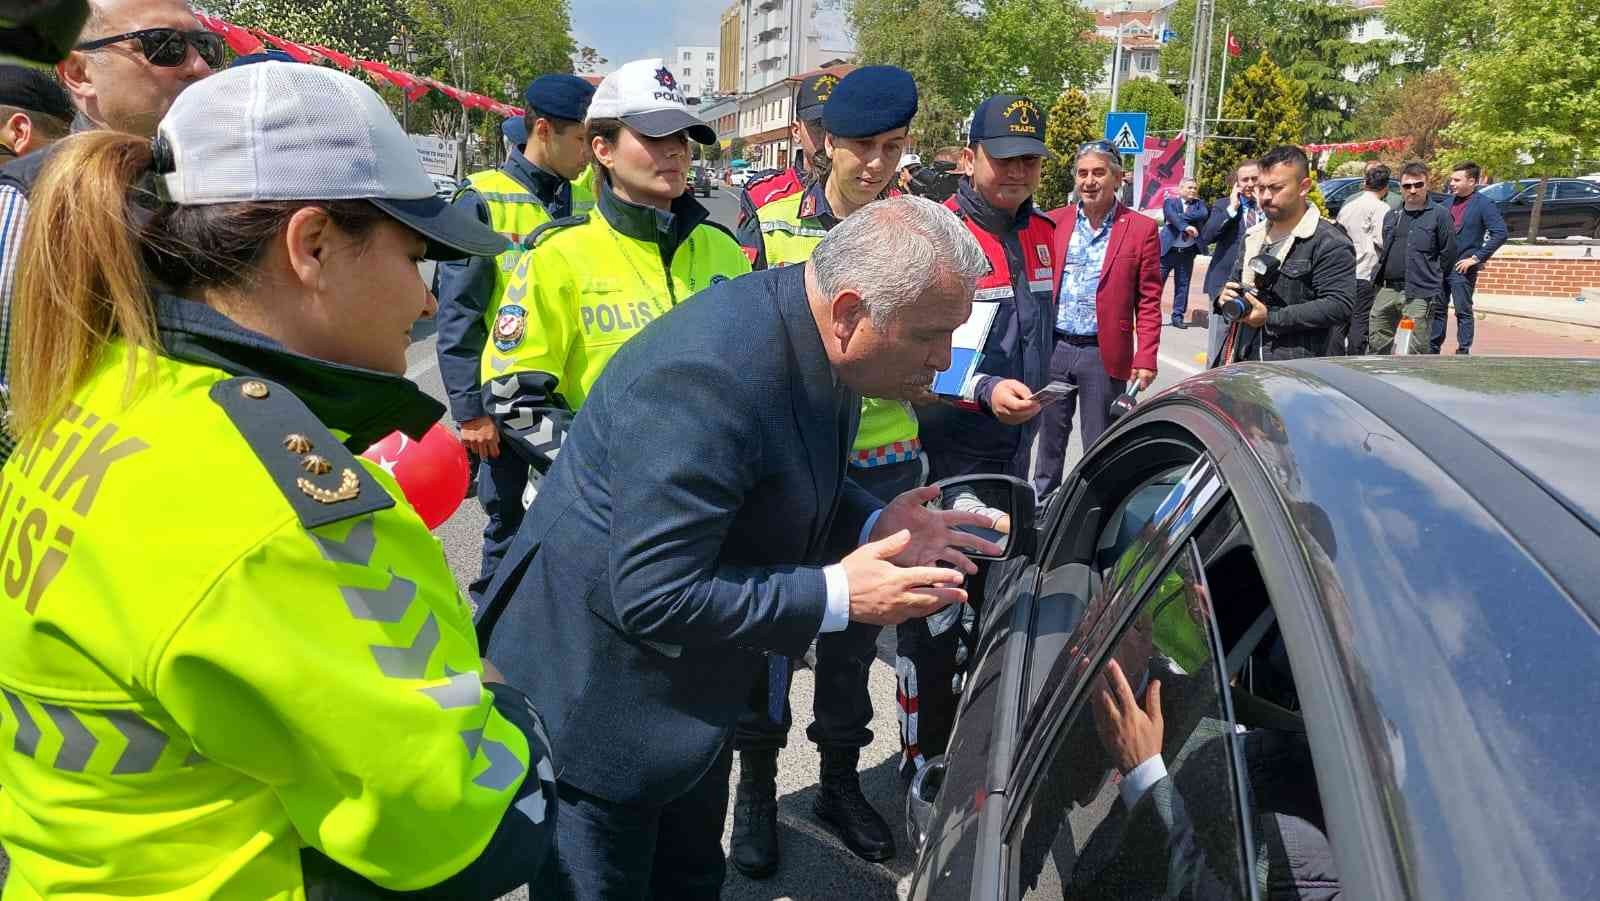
(718,279)
(509,326)
(1044,254)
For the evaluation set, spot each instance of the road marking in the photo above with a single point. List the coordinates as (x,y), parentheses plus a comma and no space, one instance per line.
(1179,365)
(426,364)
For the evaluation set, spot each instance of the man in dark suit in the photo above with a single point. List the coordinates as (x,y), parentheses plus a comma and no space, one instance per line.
(685,528)
(1480,230)
(1110,262)
(1182,217)
(1224,234)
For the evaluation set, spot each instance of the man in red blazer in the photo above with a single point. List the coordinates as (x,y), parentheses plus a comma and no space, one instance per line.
(1110,279)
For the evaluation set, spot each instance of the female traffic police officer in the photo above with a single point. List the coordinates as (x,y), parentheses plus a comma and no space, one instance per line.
(591,282)
(233,664)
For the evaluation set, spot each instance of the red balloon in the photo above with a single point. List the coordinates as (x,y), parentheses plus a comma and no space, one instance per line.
(432,473)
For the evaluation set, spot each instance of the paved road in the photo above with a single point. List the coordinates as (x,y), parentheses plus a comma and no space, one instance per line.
(816,867)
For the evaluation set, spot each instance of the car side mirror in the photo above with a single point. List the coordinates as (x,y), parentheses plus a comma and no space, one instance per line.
(924,792)
(1007,500)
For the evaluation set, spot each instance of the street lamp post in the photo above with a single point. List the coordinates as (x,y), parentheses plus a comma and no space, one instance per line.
(400,48)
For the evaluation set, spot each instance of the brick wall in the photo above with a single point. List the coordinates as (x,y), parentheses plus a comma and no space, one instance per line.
(1558,277)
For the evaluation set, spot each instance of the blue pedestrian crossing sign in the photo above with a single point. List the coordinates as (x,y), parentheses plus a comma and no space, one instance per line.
(1125,131)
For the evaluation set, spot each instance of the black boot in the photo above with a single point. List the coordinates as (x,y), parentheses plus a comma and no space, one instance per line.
(755,815)
(841,805)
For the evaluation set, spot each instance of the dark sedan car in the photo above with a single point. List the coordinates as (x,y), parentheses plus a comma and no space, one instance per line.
(1571,206)
(1290,630)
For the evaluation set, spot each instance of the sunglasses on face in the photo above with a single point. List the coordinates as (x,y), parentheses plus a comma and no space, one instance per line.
(1413,185)
(167,47)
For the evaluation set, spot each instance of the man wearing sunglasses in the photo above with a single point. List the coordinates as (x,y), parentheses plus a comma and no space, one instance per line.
(133,58)
(1419,247)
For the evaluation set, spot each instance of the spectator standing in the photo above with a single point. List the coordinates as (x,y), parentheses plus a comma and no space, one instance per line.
(1362,220)
(1480,230)
(132,60)
(1224,232)
(1315,287)
(34,111)
(1419,247)
(1182,217)
(1110,260)
(531,189)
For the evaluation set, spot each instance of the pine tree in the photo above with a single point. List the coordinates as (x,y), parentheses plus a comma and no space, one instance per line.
(1273,103)
(1321,55)
(1068,127)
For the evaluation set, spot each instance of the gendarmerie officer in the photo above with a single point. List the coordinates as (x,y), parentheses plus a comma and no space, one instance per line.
(805,133)
(991,427)
(533,187)
(866,120)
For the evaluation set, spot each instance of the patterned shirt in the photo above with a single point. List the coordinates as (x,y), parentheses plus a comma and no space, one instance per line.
(13,215)
(1080,275)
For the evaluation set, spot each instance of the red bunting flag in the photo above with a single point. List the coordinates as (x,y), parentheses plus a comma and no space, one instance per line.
(300,52)
(333,56)
(238,39)
(413,87)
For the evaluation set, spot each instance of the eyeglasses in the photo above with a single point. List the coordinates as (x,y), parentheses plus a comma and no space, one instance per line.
(1413,185)
(167,47)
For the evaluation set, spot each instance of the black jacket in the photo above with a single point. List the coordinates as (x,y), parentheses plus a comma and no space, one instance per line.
(1315,291)
(1430,249)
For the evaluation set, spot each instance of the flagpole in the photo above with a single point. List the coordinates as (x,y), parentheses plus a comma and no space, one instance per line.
(1227,44)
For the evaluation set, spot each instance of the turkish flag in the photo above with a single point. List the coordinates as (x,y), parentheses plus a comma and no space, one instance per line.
(300,52)
(335,57)
(412,86)
(240,41)
(1233,45)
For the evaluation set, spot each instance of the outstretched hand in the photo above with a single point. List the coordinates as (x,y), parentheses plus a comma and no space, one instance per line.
(1131,734)
(934,537)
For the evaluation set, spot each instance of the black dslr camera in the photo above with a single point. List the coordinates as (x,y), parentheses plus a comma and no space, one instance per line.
(936,181)
(1265,266)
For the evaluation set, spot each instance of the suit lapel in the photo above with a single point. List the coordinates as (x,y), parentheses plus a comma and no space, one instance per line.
(1118,230)
(816,401)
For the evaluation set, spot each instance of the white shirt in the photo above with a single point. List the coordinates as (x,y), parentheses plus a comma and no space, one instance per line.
(1362,218)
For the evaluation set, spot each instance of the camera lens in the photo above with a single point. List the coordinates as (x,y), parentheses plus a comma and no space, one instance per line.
(1231,309)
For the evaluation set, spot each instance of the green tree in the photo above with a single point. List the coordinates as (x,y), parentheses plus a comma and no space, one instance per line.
(360,27)
(1068,127)
(1269,106)
(960,52)
(1524,108)
(1143,95)
(1434,29)
(1317,42)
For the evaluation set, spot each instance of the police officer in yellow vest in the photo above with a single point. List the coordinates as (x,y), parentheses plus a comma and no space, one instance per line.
(866,119)
(533,187)
(233,661)
(590,282)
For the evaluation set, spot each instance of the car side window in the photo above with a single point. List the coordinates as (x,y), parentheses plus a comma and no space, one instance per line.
(1576,190)
(1123,805)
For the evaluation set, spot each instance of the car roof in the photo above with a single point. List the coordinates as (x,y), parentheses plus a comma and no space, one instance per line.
(1439,511)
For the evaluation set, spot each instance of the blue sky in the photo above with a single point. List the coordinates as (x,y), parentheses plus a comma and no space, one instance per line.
(633,29)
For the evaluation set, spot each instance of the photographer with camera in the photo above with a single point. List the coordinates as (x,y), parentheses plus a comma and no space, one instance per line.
(1296,275)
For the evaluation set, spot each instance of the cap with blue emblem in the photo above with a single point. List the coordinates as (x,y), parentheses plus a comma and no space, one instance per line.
(1008,125)
(559,97)
(870,101)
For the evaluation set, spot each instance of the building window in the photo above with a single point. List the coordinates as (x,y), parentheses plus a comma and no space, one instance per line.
(687,56)
(711,57)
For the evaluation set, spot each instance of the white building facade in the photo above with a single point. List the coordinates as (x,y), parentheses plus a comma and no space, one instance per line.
(696,70)
(782,39)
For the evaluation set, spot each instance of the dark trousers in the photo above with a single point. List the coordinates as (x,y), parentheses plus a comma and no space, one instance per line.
(1179,260)
(1461,288)
(1080,365)
(628,852)
(1350,338)
(841,707)
(927,650)
(501,482)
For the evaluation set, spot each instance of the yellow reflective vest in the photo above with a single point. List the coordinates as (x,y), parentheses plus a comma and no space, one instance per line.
(888,432)
(224,638)
(515,213)
(576,297)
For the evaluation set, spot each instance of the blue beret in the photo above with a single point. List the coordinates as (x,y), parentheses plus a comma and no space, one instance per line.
(870,101)
(560,96)
(515,129)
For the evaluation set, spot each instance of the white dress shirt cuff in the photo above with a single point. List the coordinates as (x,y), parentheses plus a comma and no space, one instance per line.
(1140,779)
(837,616)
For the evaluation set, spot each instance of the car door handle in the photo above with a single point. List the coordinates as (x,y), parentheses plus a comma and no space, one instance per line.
(924,792)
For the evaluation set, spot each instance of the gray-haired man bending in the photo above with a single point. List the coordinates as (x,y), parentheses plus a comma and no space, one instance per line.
(700,514)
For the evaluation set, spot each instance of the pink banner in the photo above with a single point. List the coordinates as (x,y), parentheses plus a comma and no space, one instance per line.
(1163,170)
